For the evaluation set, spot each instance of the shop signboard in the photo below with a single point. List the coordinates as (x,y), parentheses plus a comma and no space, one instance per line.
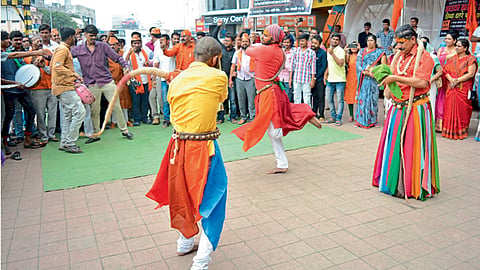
(199,25)
(261,22)
(306,21)
(226,18)
(455,16)
(279,7)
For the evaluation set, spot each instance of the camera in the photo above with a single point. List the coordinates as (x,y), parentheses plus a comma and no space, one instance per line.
(300,19)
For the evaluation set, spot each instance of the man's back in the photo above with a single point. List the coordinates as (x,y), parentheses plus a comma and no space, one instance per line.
(194,96)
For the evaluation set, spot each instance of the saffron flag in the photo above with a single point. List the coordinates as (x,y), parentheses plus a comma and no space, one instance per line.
(471,23)
(397,12)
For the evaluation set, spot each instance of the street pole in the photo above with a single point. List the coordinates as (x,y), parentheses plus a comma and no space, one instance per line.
(51,21)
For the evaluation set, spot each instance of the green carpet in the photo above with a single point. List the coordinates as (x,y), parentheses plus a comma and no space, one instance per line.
(115,157)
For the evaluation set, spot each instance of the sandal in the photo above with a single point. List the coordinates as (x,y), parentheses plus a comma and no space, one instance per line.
(16,156)
(33,145)
(74,149)
(330,121)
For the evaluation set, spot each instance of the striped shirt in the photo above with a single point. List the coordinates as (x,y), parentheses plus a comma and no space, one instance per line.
(303,65)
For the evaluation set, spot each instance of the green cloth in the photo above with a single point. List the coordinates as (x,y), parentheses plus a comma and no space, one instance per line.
(382,71)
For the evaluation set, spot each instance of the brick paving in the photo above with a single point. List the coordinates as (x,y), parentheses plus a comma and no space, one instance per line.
(322,214)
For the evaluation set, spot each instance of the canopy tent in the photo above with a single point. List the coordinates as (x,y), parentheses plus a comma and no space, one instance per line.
(358,12)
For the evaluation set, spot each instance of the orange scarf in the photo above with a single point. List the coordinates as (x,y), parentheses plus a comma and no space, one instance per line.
(140,89)
(239,62)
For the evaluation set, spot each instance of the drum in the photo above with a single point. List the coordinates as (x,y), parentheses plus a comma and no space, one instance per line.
(28,75)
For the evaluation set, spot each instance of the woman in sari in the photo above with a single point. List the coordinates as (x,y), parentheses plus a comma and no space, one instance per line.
(351,86)
(444,54)
(459,72)
(367,90)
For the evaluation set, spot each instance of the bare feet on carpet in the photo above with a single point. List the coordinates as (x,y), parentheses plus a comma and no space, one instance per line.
(314,121)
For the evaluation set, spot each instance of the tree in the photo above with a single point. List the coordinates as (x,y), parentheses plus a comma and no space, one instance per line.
(60,19)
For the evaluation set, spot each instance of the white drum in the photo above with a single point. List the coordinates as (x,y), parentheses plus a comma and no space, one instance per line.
(28,75)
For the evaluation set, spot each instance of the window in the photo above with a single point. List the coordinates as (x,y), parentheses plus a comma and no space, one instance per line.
(243,3)
(222,4)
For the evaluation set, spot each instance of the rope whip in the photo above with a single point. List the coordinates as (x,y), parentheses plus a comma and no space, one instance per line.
(418,57)
(147,70)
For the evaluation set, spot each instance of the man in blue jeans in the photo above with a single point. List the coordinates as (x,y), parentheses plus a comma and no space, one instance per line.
(335,78)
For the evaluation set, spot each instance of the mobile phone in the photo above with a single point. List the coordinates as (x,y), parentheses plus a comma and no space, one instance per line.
(114,31)
(352,46)
(300,19)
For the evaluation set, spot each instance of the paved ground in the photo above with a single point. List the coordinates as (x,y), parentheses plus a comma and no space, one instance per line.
(323,214)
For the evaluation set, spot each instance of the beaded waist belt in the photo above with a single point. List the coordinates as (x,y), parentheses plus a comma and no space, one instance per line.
(205,136)
(401,104)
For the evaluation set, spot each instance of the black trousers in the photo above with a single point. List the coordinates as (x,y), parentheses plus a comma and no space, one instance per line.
(318,98)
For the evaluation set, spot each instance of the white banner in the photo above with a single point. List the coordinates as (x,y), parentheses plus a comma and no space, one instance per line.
(279,7)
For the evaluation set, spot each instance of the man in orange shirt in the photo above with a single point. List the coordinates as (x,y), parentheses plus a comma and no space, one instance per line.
(183,51)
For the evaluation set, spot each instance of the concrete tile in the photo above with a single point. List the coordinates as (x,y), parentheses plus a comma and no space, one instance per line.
(146,256)
(121,261)
(113,248)
(380,261)
(83,255)
(274,256)
(338,255)
(298,249)
(81,242)
(251,261)
(22,254)
(95,264)
(25,264)
(140,243)
(314,261)
(236,250)
(53,248)
(46,262)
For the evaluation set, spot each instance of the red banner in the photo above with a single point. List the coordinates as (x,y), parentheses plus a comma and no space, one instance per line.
(261,22)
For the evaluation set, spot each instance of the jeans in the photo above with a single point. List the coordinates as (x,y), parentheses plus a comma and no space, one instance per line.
(246,97)
(43,99)
(318,98)
(302,89)
(156,99)
(73,116)
(339,87)
(107,90)
(139,104)
(25,100)
(166,106)
(232,99)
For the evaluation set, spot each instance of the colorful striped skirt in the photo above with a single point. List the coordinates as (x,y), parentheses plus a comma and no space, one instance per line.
(419,176)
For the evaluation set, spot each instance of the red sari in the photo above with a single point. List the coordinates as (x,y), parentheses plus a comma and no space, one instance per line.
(458,108)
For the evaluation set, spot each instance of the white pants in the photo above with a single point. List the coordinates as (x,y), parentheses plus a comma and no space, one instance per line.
(302,89)
(276,135)
(205,250)
(433,98)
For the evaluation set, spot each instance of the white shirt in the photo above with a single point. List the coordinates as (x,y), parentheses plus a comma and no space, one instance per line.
(141,63)
(52,46)
(243,73)
(166,63)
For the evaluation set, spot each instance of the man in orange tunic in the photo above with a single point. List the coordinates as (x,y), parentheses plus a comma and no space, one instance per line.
(192,179)
(274,112)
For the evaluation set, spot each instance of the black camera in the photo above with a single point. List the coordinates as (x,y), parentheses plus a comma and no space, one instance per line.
(300,19)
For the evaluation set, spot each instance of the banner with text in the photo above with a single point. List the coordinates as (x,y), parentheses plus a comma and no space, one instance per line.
(455,16)
(279,7)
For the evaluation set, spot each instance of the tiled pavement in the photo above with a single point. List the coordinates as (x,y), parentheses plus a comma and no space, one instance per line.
(323,214)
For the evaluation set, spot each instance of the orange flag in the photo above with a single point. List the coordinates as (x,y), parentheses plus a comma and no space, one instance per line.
(397,12)
(472,24)
(471,17)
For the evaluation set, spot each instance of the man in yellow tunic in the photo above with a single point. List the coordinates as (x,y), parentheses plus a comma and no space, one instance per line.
(192,179)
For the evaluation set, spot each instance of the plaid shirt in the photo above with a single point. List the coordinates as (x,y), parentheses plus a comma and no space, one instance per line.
(386,40)
(303,65)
